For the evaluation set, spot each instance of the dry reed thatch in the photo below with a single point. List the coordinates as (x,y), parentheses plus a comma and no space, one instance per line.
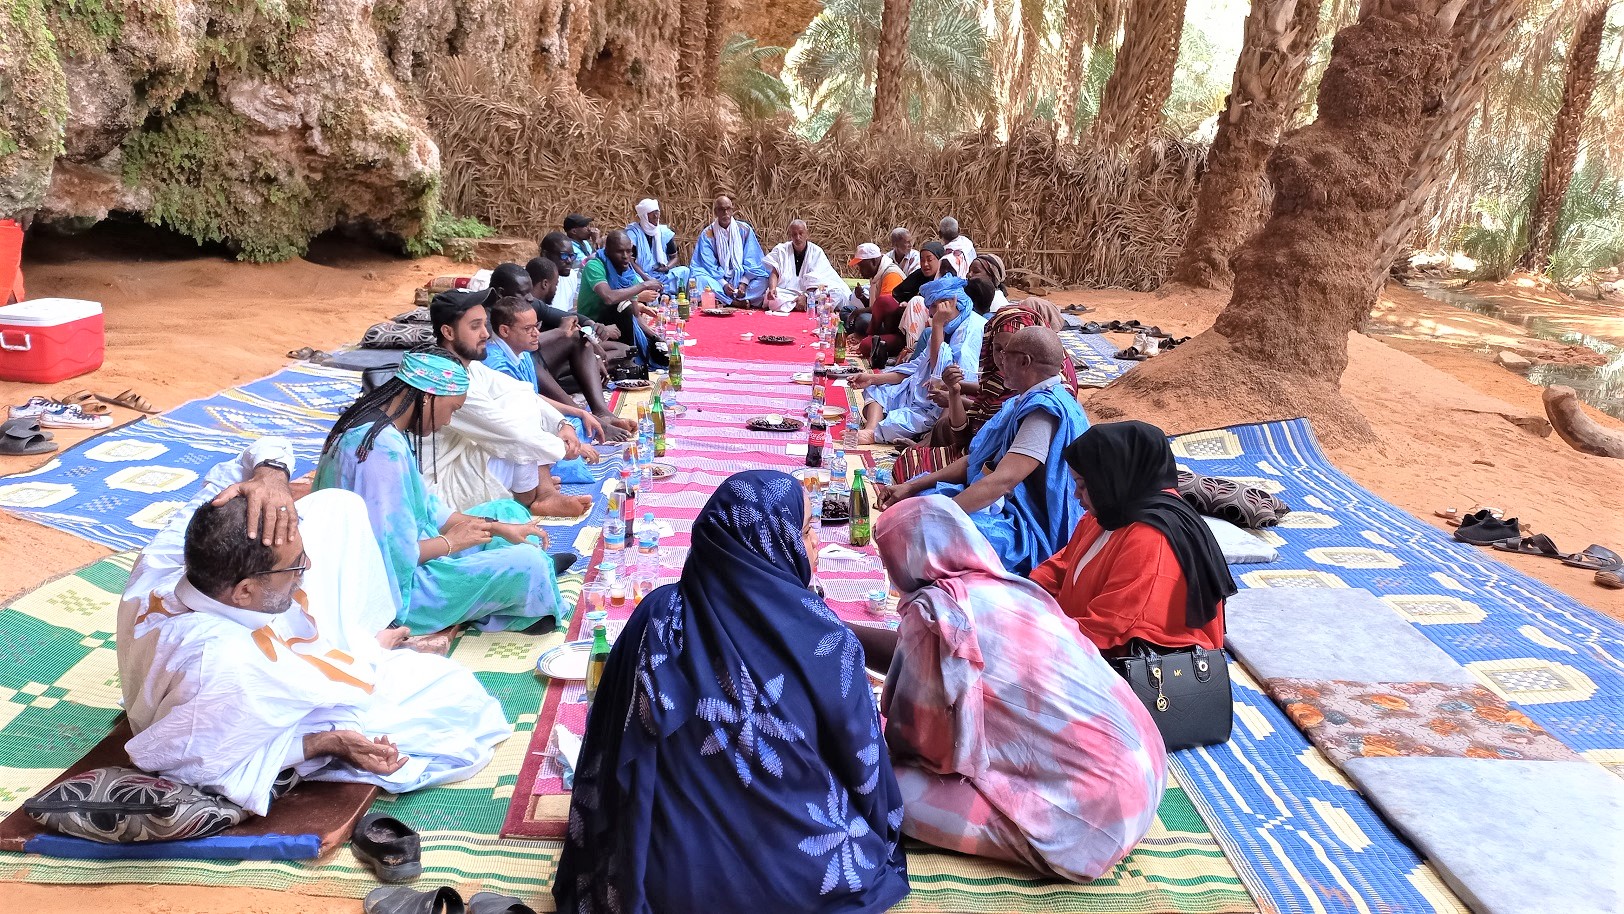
(522,159)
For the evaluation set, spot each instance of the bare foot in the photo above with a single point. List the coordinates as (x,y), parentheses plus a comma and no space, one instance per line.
(557,504)
(392,638)
(436,643)
(616,430)
(865,436)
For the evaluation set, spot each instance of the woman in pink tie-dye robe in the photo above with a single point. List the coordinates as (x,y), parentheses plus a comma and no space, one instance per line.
(1011,736)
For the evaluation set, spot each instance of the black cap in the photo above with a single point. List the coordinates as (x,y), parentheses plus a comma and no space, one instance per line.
(575,221)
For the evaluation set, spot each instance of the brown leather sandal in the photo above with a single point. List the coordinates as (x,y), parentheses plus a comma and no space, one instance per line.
(129,400)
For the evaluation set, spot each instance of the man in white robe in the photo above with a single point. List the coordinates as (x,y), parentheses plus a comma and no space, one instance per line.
(243,656)
(960,250)
(796,268)
(504,440)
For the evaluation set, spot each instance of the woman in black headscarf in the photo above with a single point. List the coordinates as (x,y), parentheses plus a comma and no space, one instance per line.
(1142,563)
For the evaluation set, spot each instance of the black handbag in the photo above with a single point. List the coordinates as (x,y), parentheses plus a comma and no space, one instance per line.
(1186,690)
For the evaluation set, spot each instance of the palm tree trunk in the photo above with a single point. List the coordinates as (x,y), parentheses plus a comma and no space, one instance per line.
(1075,41)
(691,50)
(1031,44)
(1131,107)
(1399,83)
(1557,172)
(716,23)
(1274,56)
(893,53)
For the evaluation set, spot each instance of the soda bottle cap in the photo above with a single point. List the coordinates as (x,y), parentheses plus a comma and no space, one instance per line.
(648,516)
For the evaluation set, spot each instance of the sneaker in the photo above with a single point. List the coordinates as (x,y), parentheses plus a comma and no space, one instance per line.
(33,409)
(63,415)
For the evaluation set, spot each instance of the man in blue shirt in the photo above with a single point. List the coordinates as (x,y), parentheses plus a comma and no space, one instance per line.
(558,354)
(516,334)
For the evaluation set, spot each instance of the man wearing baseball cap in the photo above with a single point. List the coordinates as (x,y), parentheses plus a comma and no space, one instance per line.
(873,311)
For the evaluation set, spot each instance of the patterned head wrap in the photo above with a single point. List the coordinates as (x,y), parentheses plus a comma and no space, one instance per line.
(433,374)
(994,392)
(994,266)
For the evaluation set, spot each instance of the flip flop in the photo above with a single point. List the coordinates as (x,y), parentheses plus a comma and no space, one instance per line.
(1595,558)
(1612,579)
(23,438)
(388,847)
(492,903)
(302,353)
(1539,544)
(129,400)
(398,899)
(1131,354)
(1093,327)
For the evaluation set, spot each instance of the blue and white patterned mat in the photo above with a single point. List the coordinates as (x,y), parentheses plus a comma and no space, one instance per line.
(1293,826)
(1094,357)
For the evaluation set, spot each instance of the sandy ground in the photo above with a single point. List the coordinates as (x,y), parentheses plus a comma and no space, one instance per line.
(181,326)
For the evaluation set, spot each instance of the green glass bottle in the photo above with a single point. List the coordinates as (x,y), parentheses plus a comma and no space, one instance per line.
(656,414)
(598,659)
(861,529)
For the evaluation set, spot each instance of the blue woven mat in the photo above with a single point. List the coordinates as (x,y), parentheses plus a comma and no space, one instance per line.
(1294,828)
(119,488)
(1094,357)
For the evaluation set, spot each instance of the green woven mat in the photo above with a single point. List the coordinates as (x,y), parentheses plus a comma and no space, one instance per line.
(59,694)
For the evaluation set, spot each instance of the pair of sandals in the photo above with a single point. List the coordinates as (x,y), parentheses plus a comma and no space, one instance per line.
(94,404)
(1486,528)
(24,438)
(1607,564)
(397,899)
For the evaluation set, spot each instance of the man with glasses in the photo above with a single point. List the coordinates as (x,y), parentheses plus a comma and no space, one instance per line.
(255,636)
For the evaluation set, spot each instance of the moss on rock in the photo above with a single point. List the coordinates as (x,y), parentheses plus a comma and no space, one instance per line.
(35,110)
(210,178)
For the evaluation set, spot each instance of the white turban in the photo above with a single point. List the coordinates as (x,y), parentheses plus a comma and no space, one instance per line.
(644,207)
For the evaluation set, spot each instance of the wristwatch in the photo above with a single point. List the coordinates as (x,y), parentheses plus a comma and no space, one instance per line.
(277,465)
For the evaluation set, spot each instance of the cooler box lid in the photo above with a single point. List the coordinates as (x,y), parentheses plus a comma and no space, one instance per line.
(48,312)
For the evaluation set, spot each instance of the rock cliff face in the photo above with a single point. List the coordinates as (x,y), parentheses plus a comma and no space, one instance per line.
(262,124)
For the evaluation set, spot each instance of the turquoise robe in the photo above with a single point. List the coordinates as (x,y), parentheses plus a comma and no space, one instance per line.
(500,586)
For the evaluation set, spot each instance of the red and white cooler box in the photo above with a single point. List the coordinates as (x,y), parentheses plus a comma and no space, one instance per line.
(45,340)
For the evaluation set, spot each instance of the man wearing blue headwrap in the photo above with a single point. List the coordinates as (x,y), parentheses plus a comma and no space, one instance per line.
(897,403)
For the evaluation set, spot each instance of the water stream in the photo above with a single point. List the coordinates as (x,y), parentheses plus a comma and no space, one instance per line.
(1600,386)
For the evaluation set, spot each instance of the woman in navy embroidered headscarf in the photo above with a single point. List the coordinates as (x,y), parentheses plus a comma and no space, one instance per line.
(733,758)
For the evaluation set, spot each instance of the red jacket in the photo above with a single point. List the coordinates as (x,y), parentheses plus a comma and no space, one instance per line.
(1133,588)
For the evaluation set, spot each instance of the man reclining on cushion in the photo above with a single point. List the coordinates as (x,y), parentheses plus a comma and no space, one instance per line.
(252,638)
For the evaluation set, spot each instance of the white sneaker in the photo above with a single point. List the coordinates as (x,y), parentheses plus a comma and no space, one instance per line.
(64,415)
(33,409)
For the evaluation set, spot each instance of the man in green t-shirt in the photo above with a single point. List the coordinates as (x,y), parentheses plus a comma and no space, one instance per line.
(611,291)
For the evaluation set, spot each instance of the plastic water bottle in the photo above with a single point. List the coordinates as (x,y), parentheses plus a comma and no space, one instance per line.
(849,439)
(614,530)
(837,472)
(648,548)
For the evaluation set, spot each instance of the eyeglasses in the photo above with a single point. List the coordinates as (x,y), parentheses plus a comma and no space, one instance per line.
(299,567)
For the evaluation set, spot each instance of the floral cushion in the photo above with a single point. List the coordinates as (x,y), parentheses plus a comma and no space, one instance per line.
(1348,720)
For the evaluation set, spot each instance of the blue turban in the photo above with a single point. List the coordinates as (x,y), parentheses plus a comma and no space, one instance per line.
(946,287)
